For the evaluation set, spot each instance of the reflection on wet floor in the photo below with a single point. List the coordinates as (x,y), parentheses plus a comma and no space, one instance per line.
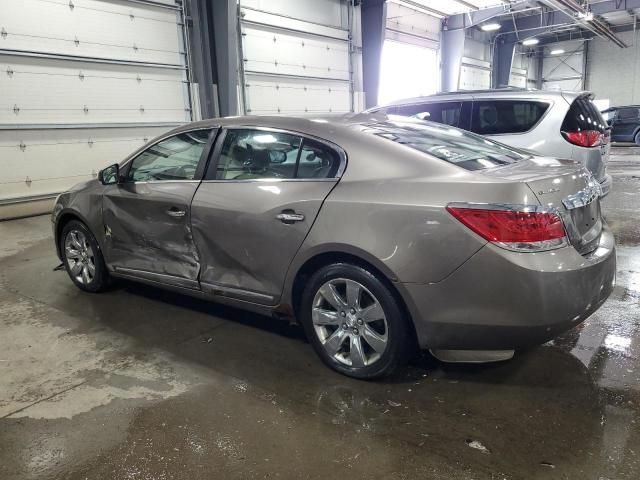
(143,384)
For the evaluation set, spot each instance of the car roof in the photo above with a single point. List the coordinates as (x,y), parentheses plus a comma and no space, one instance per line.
(324,126)
(500,93)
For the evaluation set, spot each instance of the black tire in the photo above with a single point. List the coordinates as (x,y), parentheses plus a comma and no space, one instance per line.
(100,279)
(637,139)
(398,339)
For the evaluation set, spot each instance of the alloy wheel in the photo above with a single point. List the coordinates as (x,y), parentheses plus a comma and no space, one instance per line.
(80,257)
(349,322)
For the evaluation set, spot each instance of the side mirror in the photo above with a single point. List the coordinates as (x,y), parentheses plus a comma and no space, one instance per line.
(109,175)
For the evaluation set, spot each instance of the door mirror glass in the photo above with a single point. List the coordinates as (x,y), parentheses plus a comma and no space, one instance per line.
(109,175)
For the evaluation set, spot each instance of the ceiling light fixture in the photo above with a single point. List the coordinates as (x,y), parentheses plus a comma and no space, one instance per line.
(558,51)
(530,41)
(490,27)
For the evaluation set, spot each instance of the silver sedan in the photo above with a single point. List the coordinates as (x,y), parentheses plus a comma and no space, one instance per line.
(378,234)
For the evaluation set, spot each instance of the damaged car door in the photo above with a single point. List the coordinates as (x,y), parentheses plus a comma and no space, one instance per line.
(146,214)
(258,200)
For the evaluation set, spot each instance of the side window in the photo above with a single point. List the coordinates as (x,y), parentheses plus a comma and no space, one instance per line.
(627,114)
(174,158)
(317,160)
(252,154)
(447,113)
(494,117)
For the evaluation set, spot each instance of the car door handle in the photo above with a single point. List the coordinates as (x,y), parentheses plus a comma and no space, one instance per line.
(290,217)
(176,212)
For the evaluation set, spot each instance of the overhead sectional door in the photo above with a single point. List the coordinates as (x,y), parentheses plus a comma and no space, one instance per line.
(84,83)
(291,65)
(563,71)
(409,62)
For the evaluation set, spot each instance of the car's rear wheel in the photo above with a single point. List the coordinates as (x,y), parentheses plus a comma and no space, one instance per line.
(354,321)
(637,139)
(82,257)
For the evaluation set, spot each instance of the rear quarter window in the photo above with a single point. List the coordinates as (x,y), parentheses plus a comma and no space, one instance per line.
(583,115)
(495,117)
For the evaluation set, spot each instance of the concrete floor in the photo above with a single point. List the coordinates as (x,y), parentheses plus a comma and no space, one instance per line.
(142,384)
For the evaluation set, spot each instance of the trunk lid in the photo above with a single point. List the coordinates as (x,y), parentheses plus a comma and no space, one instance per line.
(565,186)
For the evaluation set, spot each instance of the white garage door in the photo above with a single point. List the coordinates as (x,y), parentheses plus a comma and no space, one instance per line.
(291,65)
(84,83)
(409,61)
(563,71)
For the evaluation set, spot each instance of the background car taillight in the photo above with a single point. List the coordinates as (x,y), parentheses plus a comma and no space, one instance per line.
(586,138)
(519,228)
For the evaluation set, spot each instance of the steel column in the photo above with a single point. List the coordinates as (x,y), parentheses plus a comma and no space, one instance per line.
(374,19)
(451,52)
(502,62)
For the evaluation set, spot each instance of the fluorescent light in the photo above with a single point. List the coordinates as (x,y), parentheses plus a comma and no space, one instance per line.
(490,27)
(558,51)
(530,41)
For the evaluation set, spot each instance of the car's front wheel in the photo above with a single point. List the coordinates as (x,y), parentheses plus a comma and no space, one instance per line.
(354,321)
(82,257)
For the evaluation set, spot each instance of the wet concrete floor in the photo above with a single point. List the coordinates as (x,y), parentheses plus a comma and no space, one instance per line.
(138,383)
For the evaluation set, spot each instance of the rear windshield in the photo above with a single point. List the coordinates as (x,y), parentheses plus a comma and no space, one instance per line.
(583,115)
(452,145)
(495,117)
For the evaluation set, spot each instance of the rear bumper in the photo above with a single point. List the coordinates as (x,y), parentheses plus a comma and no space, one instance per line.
(506,300)
(605,185)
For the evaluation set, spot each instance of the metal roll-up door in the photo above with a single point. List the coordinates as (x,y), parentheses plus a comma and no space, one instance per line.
(293,66)
(84,83)
(409,61)
(564,71)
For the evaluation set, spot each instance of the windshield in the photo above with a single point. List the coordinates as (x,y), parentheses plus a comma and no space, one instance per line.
(452,145)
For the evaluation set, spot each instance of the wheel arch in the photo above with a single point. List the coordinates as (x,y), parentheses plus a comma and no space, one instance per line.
(320,258)
(64,217)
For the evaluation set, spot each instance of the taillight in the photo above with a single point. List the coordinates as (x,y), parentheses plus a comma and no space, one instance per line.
(586,138)
(519,228)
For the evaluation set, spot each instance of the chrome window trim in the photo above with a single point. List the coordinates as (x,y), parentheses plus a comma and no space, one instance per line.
(142,182)
(336,148)
(272,180)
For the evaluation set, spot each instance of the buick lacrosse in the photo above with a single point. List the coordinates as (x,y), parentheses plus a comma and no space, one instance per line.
(377,233)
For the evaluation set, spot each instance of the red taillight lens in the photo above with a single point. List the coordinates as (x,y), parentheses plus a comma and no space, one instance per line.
(586,138)
(518,230)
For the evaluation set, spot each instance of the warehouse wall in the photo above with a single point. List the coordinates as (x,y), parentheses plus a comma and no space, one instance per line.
(564,71)
(297,57)
(475,71)
(83,84)
(614,73)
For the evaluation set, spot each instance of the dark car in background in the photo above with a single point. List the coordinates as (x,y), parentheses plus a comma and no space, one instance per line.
(624,123)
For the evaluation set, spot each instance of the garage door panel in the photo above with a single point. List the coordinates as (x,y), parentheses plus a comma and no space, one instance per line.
(92,29)
(292,65)
(49,161)
(71,103)
(474,78)
(268,95)
(269,51)
(109,92)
